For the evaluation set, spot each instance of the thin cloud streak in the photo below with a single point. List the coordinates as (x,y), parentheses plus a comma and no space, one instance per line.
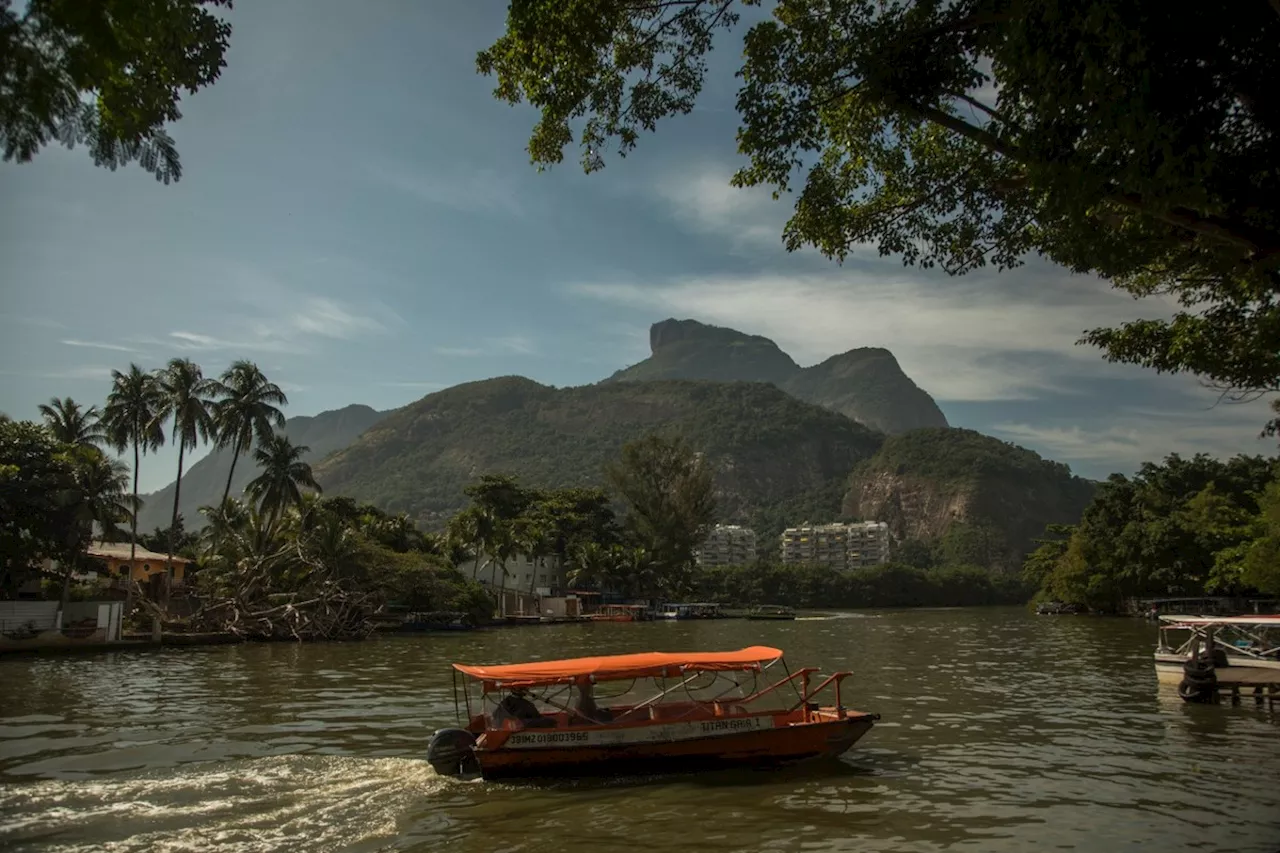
(471,191)
(1127,438)
(433,386)
(72,342)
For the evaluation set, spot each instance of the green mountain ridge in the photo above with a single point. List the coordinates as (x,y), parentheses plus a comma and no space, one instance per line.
(203,482)
(785,442)
(765,446)
(866,384)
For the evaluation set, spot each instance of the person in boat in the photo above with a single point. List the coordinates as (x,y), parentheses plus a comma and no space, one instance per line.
(587,710)
(517,706)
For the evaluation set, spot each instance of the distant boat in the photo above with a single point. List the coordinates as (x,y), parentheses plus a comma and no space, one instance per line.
(692,610)
(771,611)
(619,613)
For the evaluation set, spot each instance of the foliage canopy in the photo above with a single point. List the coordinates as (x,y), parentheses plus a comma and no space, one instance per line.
(1136,140)
(107,74)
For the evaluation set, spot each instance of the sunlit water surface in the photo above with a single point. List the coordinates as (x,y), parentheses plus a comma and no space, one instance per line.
(1001,731)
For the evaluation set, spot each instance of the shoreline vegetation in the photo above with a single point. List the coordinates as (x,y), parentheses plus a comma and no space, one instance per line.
(284,561)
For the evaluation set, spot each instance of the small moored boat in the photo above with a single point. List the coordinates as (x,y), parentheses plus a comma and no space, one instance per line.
(1240,651)
(691,610)
(664,712)
(771,611)
(620,613)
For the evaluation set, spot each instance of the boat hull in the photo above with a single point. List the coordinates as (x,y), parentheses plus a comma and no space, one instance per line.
(761,748)
(1169,668)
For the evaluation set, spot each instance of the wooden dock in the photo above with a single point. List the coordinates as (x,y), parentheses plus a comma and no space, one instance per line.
(1261,685)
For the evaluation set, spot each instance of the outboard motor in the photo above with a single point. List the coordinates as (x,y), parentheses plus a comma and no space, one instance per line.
(451,753)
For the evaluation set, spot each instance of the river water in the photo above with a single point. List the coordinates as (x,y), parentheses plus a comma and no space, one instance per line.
(1000,731)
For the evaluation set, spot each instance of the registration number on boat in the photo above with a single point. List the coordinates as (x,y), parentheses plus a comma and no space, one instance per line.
(744,724)
(548,738)
(639,734)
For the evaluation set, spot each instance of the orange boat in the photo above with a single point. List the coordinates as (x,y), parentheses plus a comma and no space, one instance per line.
(619,613)
(703,710)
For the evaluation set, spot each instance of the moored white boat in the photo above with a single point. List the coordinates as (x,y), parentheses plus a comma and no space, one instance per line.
(1247,646)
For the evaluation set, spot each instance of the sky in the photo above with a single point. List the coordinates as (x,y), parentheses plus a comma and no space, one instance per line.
(358,215)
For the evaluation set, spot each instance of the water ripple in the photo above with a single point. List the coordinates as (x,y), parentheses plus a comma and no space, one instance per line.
(1000,732)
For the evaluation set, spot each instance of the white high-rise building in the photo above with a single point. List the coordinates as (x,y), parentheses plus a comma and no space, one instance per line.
(728,545)
(836,546)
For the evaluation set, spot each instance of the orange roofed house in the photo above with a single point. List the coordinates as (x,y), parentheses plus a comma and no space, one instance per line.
(147,566)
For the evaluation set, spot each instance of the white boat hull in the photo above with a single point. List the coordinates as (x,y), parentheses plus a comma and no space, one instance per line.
(1242,668)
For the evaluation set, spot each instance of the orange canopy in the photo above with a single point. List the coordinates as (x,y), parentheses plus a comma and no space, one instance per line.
(619,667)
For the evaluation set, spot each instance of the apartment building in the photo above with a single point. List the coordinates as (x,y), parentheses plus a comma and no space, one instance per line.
(836,546)
(728,545)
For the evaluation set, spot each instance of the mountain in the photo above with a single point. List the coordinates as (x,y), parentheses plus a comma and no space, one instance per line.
(865,384)
(203,482)
(868,385)
(687,349)
(977,498)
(765,445)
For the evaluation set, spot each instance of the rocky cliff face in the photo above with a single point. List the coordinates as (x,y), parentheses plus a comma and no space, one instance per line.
(982,499)
(687,349)
(867,384)
(914,507)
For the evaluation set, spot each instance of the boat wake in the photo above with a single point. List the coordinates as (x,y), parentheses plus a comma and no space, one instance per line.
(249,805)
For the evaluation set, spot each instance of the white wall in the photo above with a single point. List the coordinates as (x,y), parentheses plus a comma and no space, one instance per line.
(42,615)
(548,574)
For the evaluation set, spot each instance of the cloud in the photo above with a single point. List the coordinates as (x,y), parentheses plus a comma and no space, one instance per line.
(262,341)
(34,322)
(1122,439)
(332,319)
(86,372)
(701,198)
(470,190)
(433,386)
(96,345)
(980,337)
(517,344)
(264,315)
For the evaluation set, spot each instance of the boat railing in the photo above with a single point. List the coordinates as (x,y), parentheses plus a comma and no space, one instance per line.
(1257,646)
(725,696)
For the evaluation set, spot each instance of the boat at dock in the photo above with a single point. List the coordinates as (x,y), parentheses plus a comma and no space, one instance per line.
(663,712)
(620,613)
(1208,655)
(690,610)
(771,611)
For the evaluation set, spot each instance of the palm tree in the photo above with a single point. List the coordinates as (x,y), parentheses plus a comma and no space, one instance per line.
(225,520)
(247,411)
(101,498)
(187,397)
(71,424)
(591,566)
(473,527)
(532,537)
(130,419)
(283,473)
